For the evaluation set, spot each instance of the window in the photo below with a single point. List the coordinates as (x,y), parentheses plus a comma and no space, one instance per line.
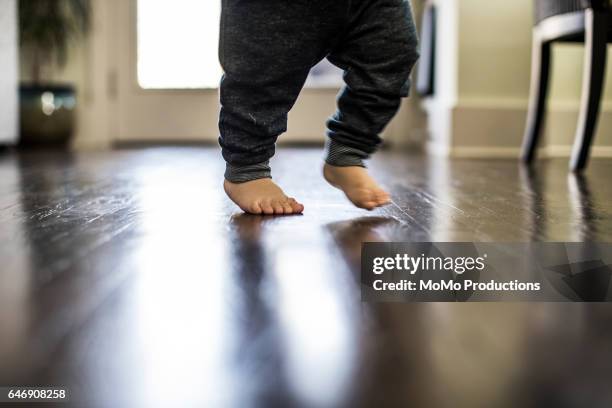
(177,46)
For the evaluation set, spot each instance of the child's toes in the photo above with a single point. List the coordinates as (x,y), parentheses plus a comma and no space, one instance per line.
(278,207)
(297,207)
(254,208)
(371,200)
(382,197)
(266,207)
(287,207)
(369,205)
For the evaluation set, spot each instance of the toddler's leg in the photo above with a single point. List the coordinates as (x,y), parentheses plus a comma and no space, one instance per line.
(267,48)
(378,54)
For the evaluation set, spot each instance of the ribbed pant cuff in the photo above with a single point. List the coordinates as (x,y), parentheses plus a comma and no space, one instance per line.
(337,154)
(242,174)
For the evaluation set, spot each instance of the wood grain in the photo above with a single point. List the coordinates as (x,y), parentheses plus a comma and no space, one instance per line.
(128,277)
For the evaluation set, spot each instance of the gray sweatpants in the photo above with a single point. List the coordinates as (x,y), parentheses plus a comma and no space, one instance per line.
(267,48)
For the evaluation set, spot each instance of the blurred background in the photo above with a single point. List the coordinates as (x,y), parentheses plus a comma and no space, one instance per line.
(138,80)
(127,276)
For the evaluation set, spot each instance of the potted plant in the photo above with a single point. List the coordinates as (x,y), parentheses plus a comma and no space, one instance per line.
(47,29)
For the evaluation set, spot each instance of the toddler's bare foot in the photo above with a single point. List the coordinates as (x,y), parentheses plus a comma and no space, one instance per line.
(261,197)
(358,186)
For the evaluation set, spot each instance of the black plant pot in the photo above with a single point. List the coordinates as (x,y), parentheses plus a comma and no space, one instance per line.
(47,117)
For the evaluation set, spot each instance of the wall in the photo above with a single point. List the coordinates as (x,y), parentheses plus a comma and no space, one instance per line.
(94,63)
(490,46)
(8,72)
(482,84)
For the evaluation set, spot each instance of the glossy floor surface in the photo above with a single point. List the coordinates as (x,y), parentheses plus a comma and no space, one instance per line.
(129,278)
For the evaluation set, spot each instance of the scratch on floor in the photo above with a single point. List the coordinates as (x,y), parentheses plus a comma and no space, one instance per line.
(410,217)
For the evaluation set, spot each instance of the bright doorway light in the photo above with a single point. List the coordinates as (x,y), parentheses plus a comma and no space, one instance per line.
(178,47)
(177,44)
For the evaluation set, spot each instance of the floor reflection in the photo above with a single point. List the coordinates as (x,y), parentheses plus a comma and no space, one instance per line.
(394,363)
(183,312)
(533,188)
(567,359)
(306,310)
(583,206)
(349,236)
(16,262)
(128,276)
(257,354)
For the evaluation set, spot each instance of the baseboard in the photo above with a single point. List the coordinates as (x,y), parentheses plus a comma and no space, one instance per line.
(483,152)
(91,144)
(566,151)
(602,152)
(481,128)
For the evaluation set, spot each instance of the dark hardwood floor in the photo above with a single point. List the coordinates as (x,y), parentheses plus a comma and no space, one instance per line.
(129,278)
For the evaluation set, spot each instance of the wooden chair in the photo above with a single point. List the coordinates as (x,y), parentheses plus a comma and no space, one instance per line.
(588,21)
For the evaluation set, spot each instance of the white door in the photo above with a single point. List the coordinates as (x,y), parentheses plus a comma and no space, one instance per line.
(160,93)
(167,73)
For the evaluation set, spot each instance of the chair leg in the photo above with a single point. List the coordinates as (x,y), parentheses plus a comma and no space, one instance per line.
(540,75)
(595,55)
